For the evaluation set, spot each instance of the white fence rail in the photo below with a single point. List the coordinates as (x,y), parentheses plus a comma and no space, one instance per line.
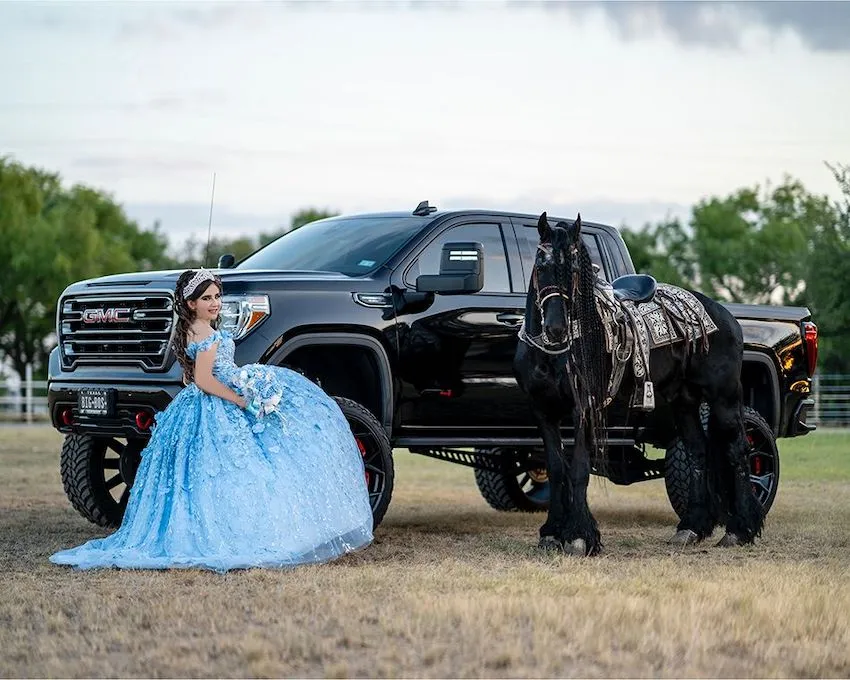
(831,393)
(26,400)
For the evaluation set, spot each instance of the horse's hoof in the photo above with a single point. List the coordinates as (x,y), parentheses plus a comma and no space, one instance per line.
(684,537)
(729,541)
(550,543)
(577,547)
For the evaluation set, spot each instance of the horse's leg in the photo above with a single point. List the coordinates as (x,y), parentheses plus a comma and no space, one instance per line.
(581,534)
(727,437)
(698,521)
(556,467)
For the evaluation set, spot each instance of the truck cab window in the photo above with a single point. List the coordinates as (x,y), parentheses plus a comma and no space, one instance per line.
(496,278)
(529,238)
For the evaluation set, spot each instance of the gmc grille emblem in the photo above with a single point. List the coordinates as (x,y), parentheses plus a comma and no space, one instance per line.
(108,315)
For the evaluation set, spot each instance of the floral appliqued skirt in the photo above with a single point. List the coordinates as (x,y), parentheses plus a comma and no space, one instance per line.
(223,488)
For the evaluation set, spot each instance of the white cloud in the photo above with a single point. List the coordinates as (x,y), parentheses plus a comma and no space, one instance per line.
(380,107)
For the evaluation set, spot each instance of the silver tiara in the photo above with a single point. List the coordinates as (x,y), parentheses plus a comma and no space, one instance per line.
(200,276)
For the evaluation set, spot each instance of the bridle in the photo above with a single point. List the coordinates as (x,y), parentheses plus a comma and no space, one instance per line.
(542,296)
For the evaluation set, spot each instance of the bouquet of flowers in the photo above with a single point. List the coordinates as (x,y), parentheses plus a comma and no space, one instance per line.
(262,393)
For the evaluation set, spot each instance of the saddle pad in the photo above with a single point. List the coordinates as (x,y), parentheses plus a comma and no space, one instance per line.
(674,314)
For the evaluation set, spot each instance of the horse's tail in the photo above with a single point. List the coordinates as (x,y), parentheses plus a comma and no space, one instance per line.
(718,472)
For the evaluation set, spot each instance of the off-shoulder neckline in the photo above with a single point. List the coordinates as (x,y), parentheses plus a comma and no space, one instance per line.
(217,334)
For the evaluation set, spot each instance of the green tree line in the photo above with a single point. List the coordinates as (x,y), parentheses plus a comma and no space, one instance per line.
(763,245)
(51,236)
(773,245)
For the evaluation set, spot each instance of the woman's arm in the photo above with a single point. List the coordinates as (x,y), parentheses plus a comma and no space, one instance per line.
(206,381)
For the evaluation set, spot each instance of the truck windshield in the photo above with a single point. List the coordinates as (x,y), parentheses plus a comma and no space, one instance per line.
(354,246)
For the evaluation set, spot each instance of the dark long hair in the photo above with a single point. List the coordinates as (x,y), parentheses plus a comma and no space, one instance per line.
(185,317)
(588,350)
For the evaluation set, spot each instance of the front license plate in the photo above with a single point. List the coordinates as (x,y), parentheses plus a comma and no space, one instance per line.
(96,402)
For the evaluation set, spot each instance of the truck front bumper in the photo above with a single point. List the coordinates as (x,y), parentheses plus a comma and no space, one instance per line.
(134,409)
(135,398)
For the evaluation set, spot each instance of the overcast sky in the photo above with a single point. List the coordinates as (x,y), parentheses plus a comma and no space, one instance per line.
(623,111)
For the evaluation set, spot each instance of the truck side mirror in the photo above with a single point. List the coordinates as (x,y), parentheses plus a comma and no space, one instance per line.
(226,261)
(461,271)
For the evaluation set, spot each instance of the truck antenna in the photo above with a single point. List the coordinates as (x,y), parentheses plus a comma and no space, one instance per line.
(209,226)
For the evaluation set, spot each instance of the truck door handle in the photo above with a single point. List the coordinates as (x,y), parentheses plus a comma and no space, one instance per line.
(509,318)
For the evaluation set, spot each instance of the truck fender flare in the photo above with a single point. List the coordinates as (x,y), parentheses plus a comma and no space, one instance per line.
(751,356)
(383,361)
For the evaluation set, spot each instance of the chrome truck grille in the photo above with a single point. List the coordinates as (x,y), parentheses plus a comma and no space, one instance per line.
(116,329)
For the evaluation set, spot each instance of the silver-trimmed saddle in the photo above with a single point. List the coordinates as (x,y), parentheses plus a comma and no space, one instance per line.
(639,315)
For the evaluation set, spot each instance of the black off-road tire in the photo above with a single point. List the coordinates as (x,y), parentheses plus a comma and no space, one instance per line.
(677,463)
(377,454)
(512,489)
(97,473)
(677,475)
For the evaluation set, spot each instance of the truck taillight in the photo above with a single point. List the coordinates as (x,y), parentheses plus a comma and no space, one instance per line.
(810,336)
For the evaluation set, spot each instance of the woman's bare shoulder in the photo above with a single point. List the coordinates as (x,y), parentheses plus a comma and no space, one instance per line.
(199,331)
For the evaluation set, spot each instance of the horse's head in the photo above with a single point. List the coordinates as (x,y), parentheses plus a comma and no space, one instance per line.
(555,277)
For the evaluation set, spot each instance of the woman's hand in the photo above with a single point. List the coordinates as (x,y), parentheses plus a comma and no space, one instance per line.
(241,403)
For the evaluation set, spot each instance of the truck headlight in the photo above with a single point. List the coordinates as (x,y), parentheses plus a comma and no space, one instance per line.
(240,314)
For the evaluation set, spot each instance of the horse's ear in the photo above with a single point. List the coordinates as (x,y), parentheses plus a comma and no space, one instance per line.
(576,230)
(543,226)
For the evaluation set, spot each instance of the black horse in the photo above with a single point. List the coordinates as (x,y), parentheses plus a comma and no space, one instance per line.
(564,366)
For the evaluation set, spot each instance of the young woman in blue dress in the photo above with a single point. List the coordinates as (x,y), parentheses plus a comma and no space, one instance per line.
(251,466)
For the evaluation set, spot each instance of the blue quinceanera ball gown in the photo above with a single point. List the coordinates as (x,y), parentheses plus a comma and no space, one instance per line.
(277,485)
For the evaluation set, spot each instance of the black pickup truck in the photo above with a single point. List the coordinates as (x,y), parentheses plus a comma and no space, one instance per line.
(417,359)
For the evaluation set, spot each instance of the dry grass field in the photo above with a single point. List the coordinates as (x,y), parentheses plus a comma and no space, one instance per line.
(450,588)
